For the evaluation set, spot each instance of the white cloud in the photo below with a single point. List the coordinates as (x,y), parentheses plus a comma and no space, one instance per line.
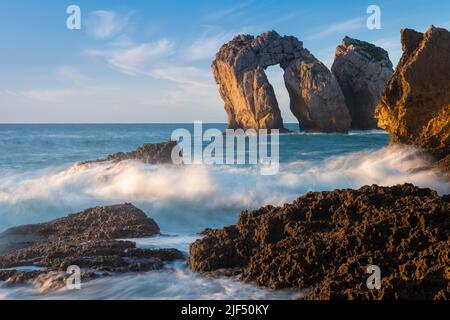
(192,85)
(72,75)
(206,46)
(138,59)
(185,75)
(340,27)
(104,24)
(230,12)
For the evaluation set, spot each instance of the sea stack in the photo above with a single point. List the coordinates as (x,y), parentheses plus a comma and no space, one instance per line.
(415,105)
(250,102)
(362,71)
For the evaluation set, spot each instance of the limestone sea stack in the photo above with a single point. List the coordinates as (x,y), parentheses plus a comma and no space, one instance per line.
(250,102)
(415,105)
(325,242)
(362,71)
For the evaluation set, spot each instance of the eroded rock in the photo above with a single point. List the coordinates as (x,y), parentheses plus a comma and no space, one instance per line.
(362,71)
(415,105)
(326,240)
(150,153)
(250,102)
(87,239)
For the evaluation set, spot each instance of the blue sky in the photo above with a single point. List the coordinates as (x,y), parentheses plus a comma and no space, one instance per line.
(149,61)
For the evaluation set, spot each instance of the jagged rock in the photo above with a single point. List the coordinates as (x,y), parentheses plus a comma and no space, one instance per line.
(325,241)
(86,239)
(250,102)
(150,153)
(362,71)
(415,105)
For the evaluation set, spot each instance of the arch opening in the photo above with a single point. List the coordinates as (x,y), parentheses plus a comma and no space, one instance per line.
(275,75)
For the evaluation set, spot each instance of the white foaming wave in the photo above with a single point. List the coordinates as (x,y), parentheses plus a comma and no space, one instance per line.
(169,284)
(195,197)
(386,167)
(125,180)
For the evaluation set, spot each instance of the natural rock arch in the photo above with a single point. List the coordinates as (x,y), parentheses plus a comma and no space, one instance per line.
(315,96)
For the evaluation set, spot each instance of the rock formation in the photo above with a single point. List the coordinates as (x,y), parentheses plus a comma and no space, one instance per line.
(415,105)
(362,71)
(150,153)
(325,241)
(250,102)
(86,239)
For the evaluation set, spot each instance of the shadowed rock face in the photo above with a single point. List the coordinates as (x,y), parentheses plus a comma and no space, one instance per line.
(150,153)
(415,105)
(362,71)
(250,102)
(325,241)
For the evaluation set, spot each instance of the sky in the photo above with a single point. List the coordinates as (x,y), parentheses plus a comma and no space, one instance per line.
(149,61)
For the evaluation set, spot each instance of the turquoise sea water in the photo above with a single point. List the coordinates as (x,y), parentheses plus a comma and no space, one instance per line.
(39,181)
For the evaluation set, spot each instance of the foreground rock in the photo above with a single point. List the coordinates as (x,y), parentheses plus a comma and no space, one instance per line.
(325,241)
(415,106)
(151,153)
(86,239)
(362,71)
(250,102)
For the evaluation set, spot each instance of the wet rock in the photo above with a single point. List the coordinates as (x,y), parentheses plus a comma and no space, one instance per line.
(362,71)
(151,153)
(86,239)
(415,105)
(326,240)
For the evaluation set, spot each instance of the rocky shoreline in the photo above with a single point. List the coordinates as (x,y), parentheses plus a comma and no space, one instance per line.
(88,240)
(326,240)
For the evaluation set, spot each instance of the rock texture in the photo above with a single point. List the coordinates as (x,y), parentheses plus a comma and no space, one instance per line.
(362,71)
(86,239)
(150,153)
(325,241)
(415,105)
(250,102)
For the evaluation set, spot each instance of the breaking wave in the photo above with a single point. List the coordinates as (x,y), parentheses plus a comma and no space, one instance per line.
(190,198)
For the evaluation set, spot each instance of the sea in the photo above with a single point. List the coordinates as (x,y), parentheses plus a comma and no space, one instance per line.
(40,181)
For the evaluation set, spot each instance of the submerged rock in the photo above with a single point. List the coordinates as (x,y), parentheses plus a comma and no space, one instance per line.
(250,102)
(362,71)
(86,239)
(326,240)
(415,105)
(151,153)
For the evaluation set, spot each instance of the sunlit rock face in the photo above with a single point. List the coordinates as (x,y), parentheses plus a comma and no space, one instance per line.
(362,71)
(415,105)
(250,102)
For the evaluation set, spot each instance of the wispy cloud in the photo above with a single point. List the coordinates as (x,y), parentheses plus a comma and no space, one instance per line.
(207,46)
(229,12)
(105,24)
(137,59)
(340,27)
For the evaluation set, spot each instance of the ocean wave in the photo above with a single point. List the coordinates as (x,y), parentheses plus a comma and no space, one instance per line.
(191,198)
(170,284)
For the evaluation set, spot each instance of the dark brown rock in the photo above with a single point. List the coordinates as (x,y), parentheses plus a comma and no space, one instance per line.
(86,239)
(325,241)
(151,153)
